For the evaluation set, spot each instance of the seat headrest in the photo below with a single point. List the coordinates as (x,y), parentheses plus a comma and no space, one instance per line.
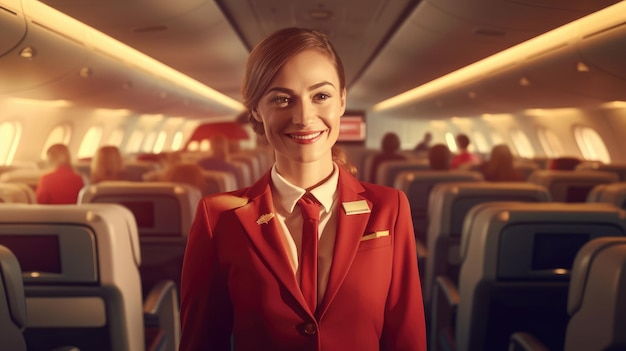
(582,268)
(11,275)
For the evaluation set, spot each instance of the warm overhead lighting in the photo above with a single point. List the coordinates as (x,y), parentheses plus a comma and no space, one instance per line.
(610,16)
(320,14)
(614,104)
(581,67)
(27,52)
(98,41)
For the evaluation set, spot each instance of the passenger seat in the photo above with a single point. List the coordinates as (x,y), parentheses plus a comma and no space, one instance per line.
(81,279)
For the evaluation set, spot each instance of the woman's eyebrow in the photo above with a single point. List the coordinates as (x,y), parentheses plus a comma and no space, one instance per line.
(291,92)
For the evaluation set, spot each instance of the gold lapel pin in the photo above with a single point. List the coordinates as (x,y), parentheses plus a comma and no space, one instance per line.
(265,218)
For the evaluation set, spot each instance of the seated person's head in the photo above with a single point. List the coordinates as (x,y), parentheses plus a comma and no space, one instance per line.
(186,173)
(439,156)
(501,156)
(462,141)
(58,155)
(390,143)
(107,164)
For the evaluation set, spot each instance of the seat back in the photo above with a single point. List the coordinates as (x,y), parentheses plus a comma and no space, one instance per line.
(571,186)
(80,272)
(619,169)
(613,193)
(12,302)
(597,297)
(17,192)
(388,171)
(515,267)
(28,176)
(448,205)
(163,212)
(417,186)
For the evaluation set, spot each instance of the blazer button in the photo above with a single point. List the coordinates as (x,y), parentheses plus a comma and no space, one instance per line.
(309,329)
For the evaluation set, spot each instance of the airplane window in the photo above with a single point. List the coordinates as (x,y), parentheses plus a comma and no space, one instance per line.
(451,142)
(205,145)
(90,142)
(550,142)
(134,144)
(591,145)
(522,144)
(193,146)
(159,143)
(177,141)
(148,142)
(116,138)
(10,133)
(59,135)
(481,143)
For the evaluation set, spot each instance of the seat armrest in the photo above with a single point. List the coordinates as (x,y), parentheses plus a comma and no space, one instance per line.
(449,291)
(161,313)
(521,341)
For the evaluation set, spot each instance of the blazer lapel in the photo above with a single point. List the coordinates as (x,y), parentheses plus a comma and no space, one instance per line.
(350,229)
(265,235)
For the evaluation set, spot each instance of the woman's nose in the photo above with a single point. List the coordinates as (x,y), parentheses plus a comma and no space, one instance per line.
(303,114)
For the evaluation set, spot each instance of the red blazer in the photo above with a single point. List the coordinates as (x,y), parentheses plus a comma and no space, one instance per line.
(237,278)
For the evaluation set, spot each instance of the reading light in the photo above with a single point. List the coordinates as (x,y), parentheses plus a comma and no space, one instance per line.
(85,72)
(27,52)
(524,82)
(581,67)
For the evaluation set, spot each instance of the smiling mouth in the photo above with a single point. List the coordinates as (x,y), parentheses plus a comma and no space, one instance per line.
(308,136)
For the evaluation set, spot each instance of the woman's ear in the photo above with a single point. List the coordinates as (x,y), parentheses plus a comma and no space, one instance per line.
(256,116)
(343,101)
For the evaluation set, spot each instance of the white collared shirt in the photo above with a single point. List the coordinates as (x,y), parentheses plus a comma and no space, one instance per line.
(285,196)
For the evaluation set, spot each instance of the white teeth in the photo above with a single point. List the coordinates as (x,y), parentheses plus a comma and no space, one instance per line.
(306,137)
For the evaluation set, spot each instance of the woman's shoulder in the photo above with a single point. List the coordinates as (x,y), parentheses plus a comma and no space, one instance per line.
(225,201)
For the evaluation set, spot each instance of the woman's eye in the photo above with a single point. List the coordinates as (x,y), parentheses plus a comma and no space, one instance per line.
(280,100)
(321,96)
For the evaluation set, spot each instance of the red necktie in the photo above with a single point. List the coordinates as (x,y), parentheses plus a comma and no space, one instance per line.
(308,257)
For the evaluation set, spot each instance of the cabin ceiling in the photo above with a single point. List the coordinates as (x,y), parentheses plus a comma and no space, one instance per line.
(388,47)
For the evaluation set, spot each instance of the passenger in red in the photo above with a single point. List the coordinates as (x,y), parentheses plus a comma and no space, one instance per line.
(62,185)
(307,258)
(464,159)
(499,167)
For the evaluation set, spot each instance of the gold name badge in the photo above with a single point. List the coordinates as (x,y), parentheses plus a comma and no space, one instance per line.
(356,207)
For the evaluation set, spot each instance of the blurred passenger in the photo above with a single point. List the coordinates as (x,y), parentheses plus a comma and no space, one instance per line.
(439,157)
(464,159)
(500,168)
(340,157)
(564,163)
(218,161)
(107,164)
(390,145)
(424,145)
(186,173)
(167,160)
(62,185)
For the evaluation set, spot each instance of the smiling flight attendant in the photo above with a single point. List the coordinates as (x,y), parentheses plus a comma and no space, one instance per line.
(251,270)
